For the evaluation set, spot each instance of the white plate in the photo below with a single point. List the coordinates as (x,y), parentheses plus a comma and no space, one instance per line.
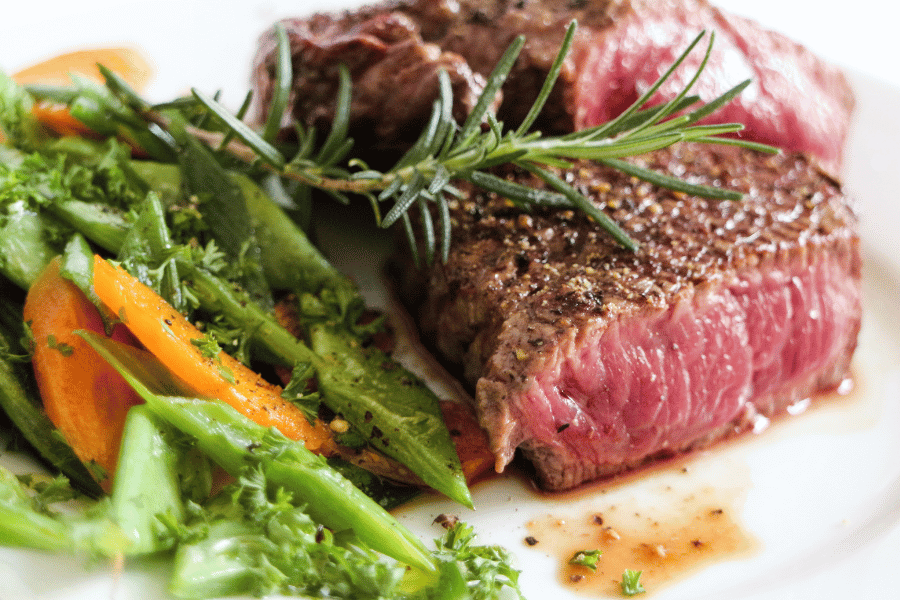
(819,493)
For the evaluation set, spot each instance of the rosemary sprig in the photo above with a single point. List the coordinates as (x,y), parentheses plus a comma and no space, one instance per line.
(446,151)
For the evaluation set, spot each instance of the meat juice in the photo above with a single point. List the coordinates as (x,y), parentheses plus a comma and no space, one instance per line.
(703,528)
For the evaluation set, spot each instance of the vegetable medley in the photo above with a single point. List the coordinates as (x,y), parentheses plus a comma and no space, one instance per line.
(152,287)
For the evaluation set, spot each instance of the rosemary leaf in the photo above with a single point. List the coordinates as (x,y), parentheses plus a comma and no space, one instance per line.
(669,107)
(714,105)
(622,147)
(671,183)
(521,195)
(494,83)
(307,139)
(503,158)
(651,91)
(550,81)
(427,229)
(420,150)
(610,226)
(439,181)
(758,147)
(712,130)
(406,199)
(392,188)
(339,153)
(368,174)
(266,151)
(335,141)
(242,111)
(446,227)
(443,137)
(284,80)
(411,239)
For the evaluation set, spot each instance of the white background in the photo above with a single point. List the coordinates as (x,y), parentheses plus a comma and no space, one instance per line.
(212,41)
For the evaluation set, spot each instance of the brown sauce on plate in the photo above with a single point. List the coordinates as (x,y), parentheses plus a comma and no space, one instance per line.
(692,531)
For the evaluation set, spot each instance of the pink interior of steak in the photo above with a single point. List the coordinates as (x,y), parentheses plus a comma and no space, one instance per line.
(665,380)
(625,60)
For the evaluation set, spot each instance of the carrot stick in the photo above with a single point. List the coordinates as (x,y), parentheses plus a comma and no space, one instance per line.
(84,397)
(166,334)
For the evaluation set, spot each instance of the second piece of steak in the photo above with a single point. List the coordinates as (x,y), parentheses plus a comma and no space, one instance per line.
(592,359)
(395,49)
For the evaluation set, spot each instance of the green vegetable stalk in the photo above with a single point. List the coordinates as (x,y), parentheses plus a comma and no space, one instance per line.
(146,487)
(27,521)
(21,525)
(238,443)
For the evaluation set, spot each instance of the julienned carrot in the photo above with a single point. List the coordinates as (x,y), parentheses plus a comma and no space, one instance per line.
(84,397)
(166,334)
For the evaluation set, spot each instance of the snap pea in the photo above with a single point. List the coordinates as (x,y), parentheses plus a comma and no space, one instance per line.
(146,484)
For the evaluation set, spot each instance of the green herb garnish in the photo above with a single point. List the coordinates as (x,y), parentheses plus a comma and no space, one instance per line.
(631,584)
(586,558)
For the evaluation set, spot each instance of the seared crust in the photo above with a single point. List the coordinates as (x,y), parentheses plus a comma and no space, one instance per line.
(560,268)
(404,43)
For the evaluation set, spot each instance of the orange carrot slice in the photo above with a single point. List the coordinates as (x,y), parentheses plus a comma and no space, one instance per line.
(84,397)
(129,64)
(59,120)
(470,440)
(166,334)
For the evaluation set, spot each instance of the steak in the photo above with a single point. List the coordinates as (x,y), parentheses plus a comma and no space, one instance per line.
(395,49)
(593,359)
(395,74)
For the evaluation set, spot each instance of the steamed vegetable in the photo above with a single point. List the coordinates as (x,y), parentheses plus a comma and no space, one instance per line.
(237,443)
(146,496)
(199,362)
(20,400)
(199,275)
(82,395)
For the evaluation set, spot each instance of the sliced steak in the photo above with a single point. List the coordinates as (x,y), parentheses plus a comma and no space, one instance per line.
(395,49)
(592,359)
